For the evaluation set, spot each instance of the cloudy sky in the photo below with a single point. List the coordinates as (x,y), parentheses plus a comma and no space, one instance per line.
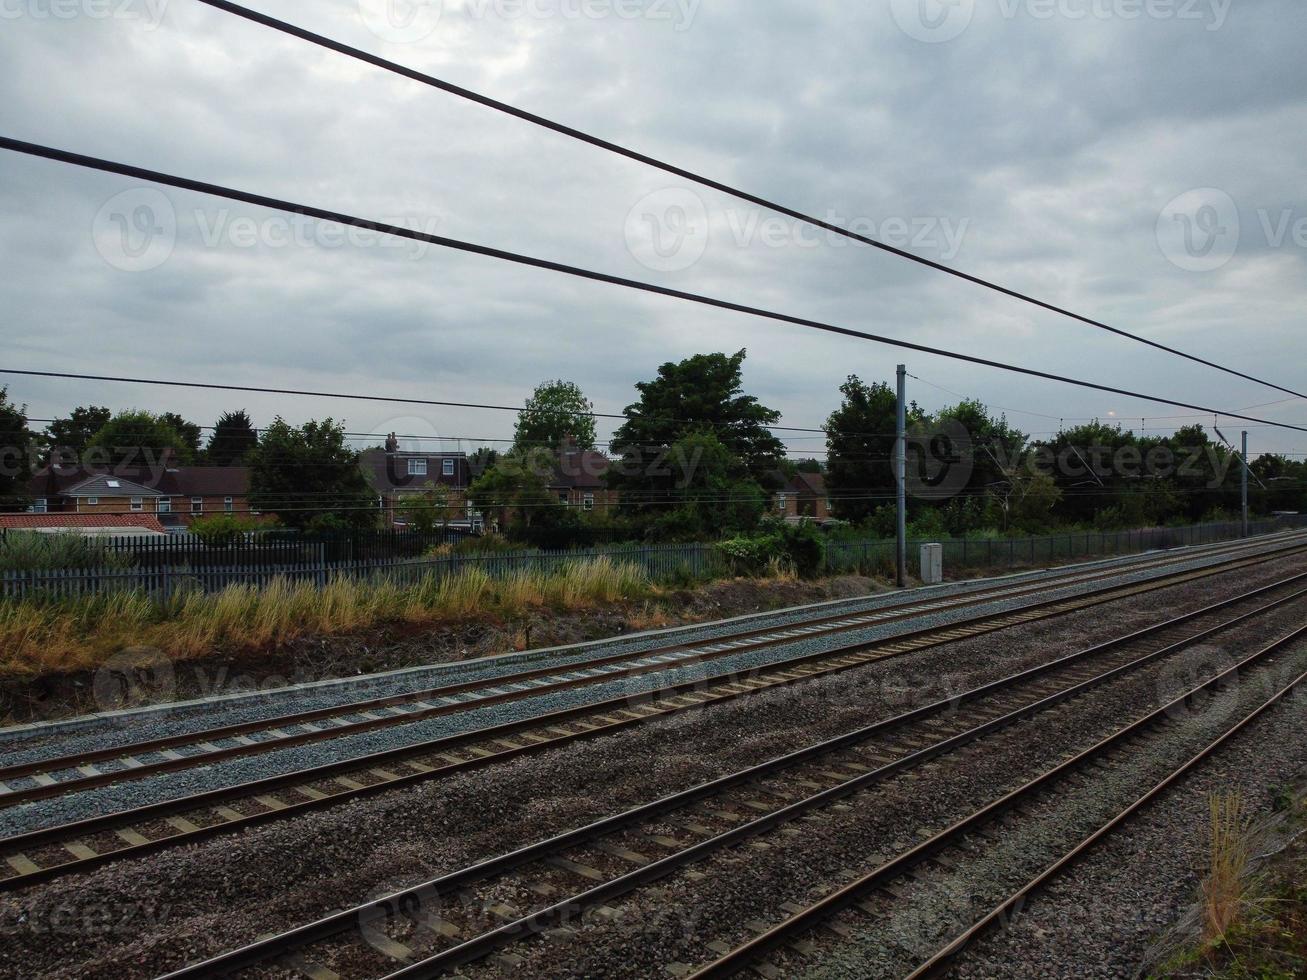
(1139,161)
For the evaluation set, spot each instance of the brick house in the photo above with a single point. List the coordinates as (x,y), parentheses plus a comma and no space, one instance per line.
(804,496)
(578,480)
(396,474)
(175,495)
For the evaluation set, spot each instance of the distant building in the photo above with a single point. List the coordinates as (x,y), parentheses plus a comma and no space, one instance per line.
(398,474)
(804,496)
(175,495)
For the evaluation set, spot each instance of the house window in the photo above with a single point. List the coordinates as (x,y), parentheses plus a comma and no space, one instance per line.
(92,501)
(563,499)
(227,504)
(39,505)
(197,505)
(138,503)
(447,467)
(417,467)
(163,505)
(588,501)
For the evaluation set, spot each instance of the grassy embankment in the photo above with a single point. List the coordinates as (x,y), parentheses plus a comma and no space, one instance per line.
(69,635)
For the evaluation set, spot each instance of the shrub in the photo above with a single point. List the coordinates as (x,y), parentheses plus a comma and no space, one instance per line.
(22,551)
(796,547)
(222,530)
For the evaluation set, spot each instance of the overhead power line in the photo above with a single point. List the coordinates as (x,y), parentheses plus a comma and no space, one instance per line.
(259,200)
(463,93)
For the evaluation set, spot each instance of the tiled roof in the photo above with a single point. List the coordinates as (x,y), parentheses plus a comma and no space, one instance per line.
(581,469)
(808,483)
(145,523)
(184,481)
(109,486)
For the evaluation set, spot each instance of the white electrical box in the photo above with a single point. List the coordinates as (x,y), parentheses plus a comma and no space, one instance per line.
(932,564)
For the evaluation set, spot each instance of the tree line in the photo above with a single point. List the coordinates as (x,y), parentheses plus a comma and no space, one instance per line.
(696,457)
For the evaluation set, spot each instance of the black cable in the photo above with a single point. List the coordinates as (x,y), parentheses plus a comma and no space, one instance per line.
(463,93)
(139,173)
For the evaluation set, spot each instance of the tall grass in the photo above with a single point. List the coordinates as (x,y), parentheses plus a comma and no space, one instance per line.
(38,637)
(22,551)
(1225,889)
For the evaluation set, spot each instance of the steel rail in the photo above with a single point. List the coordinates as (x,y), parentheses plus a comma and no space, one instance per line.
(769,636)
(777,636)
(802,922)
(545,731)
(414,900)
(940,960)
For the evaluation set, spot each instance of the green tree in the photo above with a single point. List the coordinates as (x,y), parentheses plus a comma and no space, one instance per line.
(716,497)
(481,459)
(860,448)
(233,439)
(69,437)
(140,438)
(701,394)
(428,510)
(517,486)
(311,478)
(16,453)
(555,411)
(189,431)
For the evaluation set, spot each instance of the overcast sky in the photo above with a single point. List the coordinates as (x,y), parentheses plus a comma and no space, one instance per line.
(1140,161)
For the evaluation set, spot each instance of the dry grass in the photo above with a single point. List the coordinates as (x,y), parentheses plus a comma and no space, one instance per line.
(59,637)
(1226,887)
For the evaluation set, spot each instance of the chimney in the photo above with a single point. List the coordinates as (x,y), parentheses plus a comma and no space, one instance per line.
(392,444)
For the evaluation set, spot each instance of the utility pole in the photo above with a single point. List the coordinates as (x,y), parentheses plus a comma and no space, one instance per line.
(1244,473)
(901,477)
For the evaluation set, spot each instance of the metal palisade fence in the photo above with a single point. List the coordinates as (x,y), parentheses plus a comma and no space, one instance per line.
(684,562)
(155,569)
(868,557)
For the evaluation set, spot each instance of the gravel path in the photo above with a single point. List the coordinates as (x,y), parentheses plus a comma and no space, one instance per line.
(207,898)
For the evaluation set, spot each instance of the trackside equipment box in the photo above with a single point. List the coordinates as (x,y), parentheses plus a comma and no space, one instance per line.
(932,564)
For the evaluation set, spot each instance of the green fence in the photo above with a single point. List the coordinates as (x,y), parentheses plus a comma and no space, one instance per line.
(867,557)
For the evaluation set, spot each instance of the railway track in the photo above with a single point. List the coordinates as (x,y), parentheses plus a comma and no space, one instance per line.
(866,899)
(56,775)
(48,853)
(456,919)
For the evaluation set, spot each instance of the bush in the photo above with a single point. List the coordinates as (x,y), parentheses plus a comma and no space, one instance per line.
(22,551)
(222,530)
(797,546)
